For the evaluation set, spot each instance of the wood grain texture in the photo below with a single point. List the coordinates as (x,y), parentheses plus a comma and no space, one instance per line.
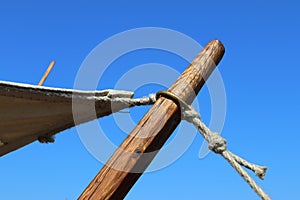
(134,155)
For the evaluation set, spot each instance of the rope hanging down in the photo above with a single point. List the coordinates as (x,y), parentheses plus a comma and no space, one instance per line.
(216,143)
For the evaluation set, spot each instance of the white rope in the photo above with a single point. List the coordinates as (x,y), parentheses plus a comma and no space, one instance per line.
(149,100)
(216,143)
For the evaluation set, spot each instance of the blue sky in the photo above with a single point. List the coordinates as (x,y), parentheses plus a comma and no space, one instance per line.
(260,71)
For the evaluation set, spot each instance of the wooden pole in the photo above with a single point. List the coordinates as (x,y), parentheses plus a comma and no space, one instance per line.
(134,155)
(46,73)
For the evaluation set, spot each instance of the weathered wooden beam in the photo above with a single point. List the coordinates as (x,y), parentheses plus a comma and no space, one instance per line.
(134,155)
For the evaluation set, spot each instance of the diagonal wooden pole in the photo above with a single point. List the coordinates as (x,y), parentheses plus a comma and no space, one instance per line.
(46,73)
(137,151)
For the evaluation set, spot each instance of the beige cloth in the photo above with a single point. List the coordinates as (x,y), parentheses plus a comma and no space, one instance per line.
(28,112)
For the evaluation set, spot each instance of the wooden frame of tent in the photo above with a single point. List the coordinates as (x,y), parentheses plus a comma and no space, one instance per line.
(53,113)
(152,131)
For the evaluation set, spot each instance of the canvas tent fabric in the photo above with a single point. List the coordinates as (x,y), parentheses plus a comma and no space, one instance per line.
(30,112)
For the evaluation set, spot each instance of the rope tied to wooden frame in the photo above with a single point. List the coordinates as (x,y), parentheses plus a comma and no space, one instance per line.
(216,143)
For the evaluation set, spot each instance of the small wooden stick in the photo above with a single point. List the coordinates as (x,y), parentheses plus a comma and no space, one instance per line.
(47,73)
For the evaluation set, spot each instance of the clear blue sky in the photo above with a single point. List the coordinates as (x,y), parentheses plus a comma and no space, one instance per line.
(260,71)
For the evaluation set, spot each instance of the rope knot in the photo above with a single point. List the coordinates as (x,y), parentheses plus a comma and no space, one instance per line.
(216,143)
